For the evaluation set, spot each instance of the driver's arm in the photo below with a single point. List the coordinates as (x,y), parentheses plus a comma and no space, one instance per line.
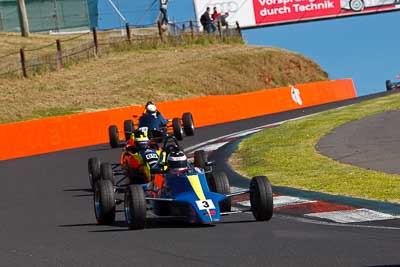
(162,119)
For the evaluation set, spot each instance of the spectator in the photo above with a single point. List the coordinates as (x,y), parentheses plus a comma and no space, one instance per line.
(222,18)
(163,10)
(215,14)
(207,22)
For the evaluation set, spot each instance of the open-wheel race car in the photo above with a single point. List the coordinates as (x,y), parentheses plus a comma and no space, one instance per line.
(392,85)
(156,130)
(179,189)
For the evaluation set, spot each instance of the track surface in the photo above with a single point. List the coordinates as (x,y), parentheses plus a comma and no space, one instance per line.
(47,219)
(370,143)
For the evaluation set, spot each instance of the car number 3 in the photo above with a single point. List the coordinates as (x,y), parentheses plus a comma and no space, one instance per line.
(205,204)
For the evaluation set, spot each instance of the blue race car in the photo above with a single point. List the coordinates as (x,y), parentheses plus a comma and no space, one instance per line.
(178,189)
(157,127)
(392,85)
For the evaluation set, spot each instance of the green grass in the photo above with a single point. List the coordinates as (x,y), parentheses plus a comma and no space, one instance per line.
(287,155)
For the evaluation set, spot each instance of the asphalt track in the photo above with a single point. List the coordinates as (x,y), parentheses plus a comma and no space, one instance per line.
(47,219)
(371,143)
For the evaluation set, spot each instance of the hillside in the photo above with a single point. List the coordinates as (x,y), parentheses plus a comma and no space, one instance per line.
(135,76)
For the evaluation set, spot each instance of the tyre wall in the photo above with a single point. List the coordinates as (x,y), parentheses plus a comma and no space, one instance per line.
(72,131)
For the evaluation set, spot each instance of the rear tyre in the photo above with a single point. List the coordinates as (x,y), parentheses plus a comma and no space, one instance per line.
(106,172)
(177,127)
(104,202)
(200,159)
(388,85)
(135,207)
(261,200)
(128,129)
(113,136)
(188,124)
(219,183)
(94,171)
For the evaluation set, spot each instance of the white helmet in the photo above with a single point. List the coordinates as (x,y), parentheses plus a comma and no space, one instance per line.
(151,108)
(177,161)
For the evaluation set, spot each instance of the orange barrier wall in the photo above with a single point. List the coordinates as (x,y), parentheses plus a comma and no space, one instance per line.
(64,132)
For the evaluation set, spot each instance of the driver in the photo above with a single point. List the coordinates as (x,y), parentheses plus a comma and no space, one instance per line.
(140,154)
(177,162)
(152,118)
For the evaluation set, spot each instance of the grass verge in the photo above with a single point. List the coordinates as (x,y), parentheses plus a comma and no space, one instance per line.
(287,155)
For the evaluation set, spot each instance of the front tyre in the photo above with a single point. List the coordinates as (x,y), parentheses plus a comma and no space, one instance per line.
(261,199)
(113,136)
(218,182)
(135,207)
(104,202)
(177,127)
(188,124)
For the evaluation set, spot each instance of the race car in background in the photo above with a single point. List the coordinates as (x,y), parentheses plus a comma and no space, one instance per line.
(181,190)
(392,85)
(173,126)
(359,5)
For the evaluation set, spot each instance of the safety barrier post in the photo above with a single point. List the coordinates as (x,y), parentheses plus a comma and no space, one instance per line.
(219,29)
(183,27)
(128,32)
(239,30)
(95,41)
(160,31)
(59,55)
(23,64)
(191,28)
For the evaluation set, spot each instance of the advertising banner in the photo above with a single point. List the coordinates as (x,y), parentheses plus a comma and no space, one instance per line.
(253,13)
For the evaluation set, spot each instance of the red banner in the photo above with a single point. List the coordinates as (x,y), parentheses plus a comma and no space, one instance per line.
(267,11)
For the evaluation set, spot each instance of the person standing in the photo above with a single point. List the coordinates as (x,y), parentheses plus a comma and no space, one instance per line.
(207,22)
(163,10)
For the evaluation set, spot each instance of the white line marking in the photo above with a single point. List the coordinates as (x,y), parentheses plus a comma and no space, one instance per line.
(245,203)
(248,131)
(281,201)
(352,216)
(235,189)
(212,147)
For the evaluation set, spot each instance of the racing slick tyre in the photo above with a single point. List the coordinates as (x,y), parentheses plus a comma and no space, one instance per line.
(94,170)
(104,202)
(177,127)
(128,129)
(388,85)
(106,172)
(261,200)
(188,124)
(135,207)
(200,160)
(113,136)
(219,183)
(356,5)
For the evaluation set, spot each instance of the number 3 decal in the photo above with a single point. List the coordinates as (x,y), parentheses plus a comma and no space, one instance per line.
(205,204)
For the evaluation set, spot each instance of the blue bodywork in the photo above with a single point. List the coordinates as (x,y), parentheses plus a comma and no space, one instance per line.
(190,198)
(152,122)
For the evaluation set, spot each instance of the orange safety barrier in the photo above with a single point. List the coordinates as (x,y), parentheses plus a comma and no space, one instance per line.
(72,131)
